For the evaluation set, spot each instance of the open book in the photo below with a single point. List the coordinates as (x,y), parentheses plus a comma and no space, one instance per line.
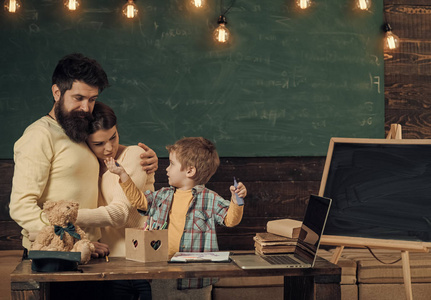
(185,257)
(284,227)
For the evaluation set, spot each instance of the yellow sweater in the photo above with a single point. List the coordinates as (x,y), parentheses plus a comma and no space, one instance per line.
(177,214)
(115,213)
(49,166)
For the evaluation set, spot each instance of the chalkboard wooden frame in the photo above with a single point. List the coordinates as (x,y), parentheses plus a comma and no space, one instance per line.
(346,237)
(395,169)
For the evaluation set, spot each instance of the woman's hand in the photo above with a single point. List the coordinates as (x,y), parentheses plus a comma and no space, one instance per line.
(102,250)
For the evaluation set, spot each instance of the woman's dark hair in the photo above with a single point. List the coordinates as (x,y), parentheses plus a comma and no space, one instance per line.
(76,66)
(103,118)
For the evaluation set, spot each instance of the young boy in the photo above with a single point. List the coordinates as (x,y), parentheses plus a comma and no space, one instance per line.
(190,210)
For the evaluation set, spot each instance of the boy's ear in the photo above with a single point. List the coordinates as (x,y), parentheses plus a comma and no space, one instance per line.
(191,171)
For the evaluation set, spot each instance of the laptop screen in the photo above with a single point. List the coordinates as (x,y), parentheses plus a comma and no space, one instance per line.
(312,228)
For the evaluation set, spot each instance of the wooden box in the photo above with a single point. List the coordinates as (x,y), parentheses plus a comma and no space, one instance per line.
(146,245)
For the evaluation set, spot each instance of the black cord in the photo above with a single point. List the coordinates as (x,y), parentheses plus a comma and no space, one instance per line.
(386,26)
(227,9)
(386,263)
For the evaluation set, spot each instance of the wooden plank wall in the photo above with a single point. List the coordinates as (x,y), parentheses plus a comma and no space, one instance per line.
(279,187)
(408,69)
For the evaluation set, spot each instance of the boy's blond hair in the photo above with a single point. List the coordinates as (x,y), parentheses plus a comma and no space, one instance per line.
(197,152)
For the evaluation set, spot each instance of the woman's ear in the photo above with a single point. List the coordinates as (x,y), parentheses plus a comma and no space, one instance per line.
(191,172)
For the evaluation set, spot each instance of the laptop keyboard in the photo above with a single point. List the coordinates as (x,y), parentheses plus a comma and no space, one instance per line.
(280,260)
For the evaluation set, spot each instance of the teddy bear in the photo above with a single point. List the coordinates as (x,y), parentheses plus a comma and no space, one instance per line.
(62,234)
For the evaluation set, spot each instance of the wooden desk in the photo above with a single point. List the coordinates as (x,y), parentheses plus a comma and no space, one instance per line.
(320,282)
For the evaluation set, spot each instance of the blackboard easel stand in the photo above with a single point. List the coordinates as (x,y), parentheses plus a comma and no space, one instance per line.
(355,242)
(404,246)
(395,132)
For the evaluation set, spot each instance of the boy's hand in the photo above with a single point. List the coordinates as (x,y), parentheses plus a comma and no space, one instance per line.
(150,161)
(113,166)
(240,190)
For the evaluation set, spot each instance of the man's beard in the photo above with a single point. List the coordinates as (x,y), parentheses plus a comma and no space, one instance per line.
(75,123)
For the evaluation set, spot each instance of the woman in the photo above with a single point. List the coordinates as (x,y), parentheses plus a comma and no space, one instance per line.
(115,213)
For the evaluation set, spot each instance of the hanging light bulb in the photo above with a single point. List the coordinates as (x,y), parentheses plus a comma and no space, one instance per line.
(198,3)
(130,10)
(12,6)
(392,41)
(221,34)
(303,4)
(363,4)
(71,4)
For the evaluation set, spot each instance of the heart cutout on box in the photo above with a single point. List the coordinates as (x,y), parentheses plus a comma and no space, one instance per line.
(156,244)
(135,243)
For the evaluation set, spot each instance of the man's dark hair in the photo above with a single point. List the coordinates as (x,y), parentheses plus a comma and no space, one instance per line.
(76,66)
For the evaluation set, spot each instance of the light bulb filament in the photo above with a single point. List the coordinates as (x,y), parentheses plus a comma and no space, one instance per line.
(130,11)
(222,35)
(12,6)
(72,5)
(303,4)
(197,3)
(391,42)
(363,4)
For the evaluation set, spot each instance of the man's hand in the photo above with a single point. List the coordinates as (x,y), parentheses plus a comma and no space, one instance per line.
(102,250)
(150,161)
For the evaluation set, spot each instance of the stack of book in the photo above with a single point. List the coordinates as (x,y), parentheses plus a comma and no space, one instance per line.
(269,243)
(281,237)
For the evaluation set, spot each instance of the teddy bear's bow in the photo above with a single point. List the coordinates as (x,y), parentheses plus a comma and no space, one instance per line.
(69,229)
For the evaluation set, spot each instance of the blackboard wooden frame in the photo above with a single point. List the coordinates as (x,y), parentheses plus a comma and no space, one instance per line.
(347,238)
(391,163)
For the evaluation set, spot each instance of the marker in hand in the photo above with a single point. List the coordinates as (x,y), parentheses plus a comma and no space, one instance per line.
(239,200)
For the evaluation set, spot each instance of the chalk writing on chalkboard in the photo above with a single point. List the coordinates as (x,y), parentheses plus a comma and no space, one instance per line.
(289,81)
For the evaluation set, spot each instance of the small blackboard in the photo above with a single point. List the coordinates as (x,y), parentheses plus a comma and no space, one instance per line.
(380,188)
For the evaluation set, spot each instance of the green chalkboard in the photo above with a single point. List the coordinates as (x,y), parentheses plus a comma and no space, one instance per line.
(288,82)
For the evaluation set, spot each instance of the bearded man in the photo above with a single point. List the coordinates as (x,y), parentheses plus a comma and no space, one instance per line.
(52,160)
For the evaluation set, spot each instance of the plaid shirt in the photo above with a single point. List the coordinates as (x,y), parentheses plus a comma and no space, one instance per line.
(206,210)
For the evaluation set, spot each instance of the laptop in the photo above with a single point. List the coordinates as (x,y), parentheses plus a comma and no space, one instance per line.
(308,243)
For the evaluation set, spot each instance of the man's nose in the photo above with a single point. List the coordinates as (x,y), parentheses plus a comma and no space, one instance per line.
(85,106)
